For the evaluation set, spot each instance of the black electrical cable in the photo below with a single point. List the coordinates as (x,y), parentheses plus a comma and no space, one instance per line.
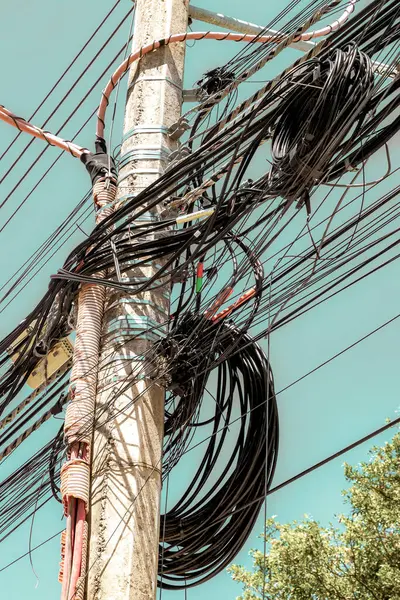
(185,554)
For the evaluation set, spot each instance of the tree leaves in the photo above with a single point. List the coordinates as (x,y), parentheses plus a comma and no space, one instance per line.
(358,559)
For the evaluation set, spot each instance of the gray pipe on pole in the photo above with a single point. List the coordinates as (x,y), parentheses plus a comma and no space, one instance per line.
(127,450)
(233,24)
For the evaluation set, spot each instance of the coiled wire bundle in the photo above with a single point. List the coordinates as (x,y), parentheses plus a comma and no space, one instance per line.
(211,522)
(326,103)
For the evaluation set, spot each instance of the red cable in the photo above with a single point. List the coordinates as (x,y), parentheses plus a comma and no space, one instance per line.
(78,546)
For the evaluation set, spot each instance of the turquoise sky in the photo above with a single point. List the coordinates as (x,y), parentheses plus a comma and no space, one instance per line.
(333,407)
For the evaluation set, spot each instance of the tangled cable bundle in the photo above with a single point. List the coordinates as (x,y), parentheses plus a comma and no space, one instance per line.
(203,532)
(327,100)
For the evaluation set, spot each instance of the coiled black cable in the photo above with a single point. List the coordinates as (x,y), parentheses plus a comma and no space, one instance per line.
(326,101)
(202,534)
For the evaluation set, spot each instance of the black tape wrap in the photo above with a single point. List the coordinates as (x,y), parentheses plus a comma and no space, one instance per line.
(215,80)
(99,164)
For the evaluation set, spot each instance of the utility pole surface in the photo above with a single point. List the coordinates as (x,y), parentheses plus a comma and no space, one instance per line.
(127,450)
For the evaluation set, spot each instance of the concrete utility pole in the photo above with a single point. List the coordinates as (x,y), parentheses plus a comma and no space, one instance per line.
(127,451)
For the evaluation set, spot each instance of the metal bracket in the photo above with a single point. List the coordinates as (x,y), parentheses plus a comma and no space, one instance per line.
(193,95)
(178,129)
(178,155)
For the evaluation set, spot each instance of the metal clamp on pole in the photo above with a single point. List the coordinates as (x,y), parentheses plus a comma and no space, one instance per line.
(193,95)
(178,129)
(178,155)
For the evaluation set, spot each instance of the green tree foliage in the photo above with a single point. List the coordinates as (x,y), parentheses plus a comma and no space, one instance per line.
(357,559)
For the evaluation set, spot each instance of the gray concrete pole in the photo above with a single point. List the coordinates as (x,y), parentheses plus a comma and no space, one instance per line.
(127,449)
